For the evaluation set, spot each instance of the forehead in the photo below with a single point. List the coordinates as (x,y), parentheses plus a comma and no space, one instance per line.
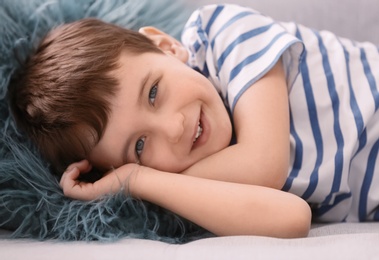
(131,67)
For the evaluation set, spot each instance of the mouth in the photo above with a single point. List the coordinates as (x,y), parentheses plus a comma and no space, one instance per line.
(201,132)
(198,132)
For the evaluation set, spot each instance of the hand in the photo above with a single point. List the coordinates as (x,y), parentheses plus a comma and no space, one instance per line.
(112,182)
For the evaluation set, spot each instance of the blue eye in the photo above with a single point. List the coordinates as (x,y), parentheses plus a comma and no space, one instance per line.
(153,94)
(139,146)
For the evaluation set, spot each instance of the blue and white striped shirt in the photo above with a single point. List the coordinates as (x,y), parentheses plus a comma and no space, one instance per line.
(333,97)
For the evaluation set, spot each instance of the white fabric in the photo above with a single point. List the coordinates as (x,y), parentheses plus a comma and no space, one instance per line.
(335,241)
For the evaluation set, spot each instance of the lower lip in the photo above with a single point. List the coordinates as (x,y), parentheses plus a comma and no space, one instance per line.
(204,134)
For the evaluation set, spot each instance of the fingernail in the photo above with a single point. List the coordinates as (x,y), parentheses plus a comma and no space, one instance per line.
(69,169)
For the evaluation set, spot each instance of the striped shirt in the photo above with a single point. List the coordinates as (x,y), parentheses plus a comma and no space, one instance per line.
(333,99)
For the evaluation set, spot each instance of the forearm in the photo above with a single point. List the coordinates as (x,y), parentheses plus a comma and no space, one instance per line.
(238,164)
(225,208)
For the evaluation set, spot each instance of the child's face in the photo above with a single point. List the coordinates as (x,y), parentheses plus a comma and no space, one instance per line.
(165,115)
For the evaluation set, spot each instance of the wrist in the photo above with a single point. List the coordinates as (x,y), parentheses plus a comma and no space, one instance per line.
(149,184)
(124,178)
(137,180)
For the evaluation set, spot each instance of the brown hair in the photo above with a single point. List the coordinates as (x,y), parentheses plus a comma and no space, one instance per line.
(62,99)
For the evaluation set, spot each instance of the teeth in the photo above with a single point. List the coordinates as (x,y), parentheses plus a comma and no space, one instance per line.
(199,131)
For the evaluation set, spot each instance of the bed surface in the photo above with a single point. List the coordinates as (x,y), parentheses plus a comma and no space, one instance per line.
(326,241)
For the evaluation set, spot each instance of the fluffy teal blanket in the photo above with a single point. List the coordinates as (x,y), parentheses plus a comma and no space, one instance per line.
(32,204)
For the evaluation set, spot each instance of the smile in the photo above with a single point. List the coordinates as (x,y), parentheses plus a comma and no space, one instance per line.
(199,132)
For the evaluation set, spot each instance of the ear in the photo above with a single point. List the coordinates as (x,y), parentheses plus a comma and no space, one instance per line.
(165,42)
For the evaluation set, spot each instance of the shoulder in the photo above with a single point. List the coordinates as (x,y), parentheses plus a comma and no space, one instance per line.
(212,25)
(209,16)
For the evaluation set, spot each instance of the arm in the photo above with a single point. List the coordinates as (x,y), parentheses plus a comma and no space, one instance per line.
(261,121)
(220,207)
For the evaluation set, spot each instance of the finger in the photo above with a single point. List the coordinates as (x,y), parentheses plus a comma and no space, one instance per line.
(69,177)
(79,164)
(84,166)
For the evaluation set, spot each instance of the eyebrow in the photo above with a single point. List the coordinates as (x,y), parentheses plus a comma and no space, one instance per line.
(142,87)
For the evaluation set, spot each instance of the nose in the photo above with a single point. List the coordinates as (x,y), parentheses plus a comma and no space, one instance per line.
(171,127)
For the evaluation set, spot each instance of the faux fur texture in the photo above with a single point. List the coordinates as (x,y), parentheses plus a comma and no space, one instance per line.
(31,201)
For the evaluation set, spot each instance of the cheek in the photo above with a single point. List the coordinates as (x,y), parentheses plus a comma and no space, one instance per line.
(161,157)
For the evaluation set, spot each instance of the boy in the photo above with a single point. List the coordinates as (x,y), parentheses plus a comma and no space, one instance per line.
(119,101)
(135,106)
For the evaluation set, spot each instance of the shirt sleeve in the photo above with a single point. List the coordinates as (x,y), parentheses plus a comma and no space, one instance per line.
(235,46)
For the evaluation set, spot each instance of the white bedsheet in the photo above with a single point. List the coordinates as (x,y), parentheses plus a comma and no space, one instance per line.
(332,241)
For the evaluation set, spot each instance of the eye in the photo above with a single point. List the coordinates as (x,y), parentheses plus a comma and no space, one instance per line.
(153,94)
(139,147)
